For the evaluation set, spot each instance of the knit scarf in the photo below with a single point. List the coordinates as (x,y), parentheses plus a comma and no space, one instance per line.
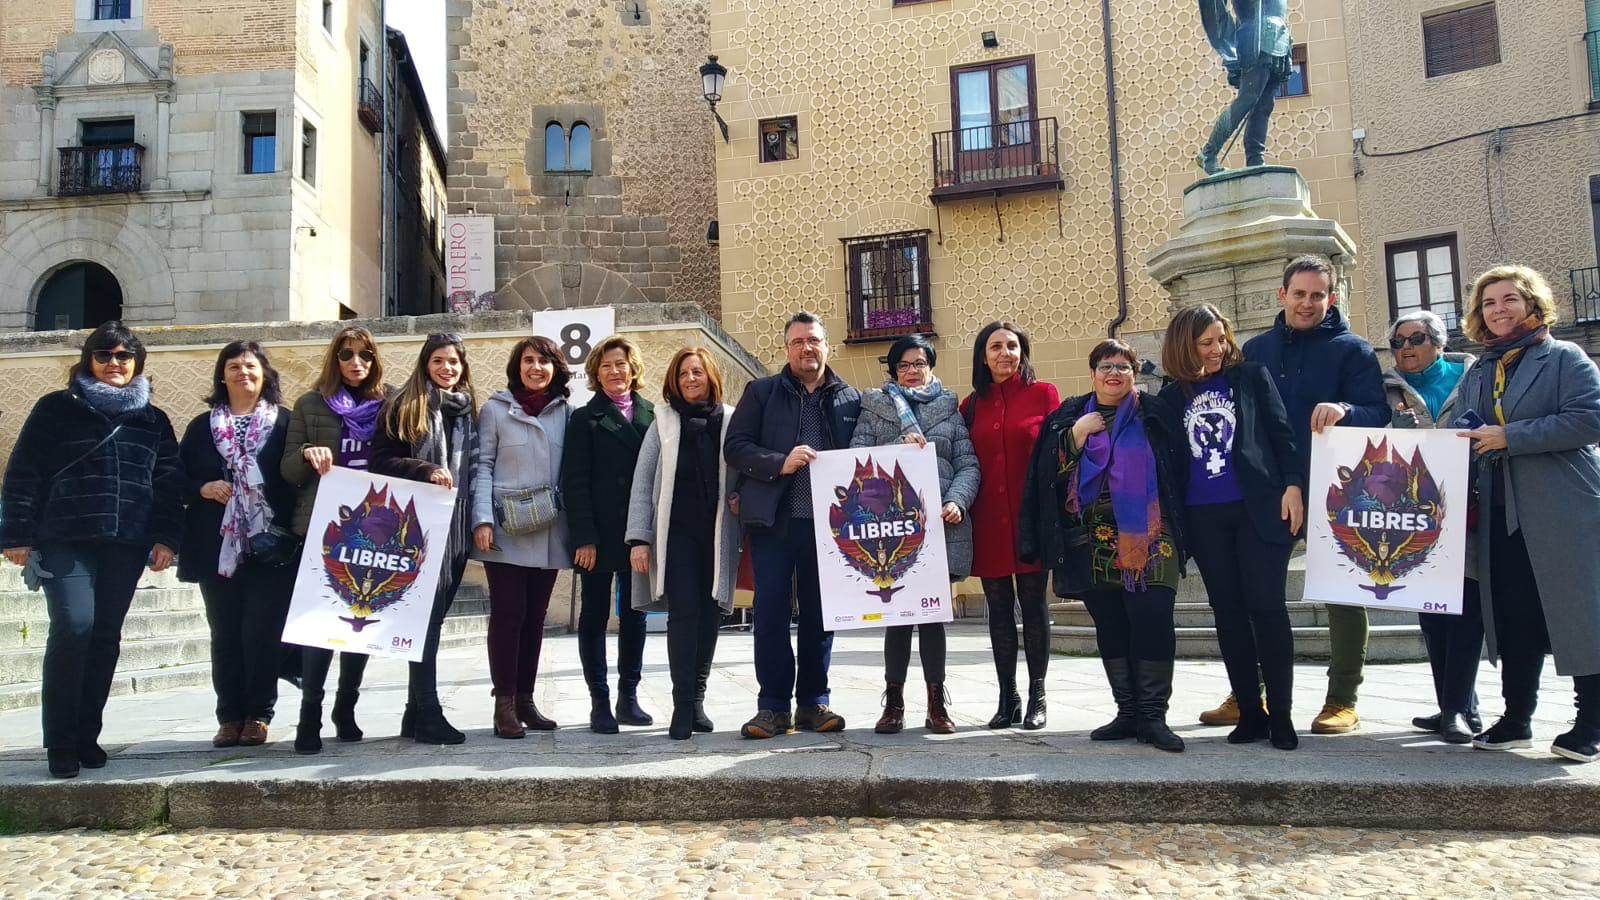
(111,401)
(532,402)
(1501,352)
(1123,458)
(701,431)
(903,397)
(247,511)
(447,438)
(358,419)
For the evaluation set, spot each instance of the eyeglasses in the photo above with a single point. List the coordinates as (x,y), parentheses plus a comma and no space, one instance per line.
(1114,369)
(367,356)
(810,343)
(920,365)
(104,357)
(1416,340)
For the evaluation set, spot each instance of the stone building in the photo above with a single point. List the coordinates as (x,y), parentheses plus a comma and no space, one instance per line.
(415,200)
(581,129)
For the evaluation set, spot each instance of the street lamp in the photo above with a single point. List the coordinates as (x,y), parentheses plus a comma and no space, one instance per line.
(712,75)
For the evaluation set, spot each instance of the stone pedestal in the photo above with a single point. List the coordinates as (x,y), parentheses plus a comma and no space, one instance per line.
(1239,229)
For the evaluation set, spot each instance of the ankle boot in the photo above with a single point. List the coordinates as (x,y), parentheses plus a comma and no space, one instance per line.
(529,715)
(601,721)
(628,710)
(433,728)
(308,733)
(1034,718)
(505,718)
(938,720)
(1280,730)
(894,709)
(1153,684)
(1009,712)
(343,715)
(1119,673)
(681,727)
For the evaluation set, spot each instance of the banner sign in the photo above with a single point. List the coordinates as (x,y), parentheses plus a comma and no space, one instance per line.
(576,332)
(372,557)
(469,261)
(880,541)
(1386,518)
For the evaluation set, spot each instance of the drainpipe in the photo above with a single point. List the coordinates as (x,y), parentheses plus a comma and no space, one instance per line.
(1116,171)
(384,237)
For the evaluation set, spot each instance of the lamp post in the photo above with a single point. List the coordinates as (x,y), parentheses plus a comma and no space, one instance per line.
(712,76)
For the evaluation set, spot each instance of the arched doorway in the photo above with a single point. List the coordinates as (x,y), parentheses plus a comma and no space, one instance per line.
(80,295)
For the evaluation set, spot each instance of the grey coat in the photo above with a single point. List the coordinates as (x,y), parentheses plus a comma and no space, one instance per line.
(1401,393)
(1552,491)
(941,423)
(650,512)
(517,452)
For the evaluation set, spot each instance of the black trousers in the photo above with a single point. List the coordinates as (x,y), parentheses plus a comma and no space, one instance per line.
(1455,644)
(1134,624)
(930,649)
(1244,578)
(246,614)
(314,665)
(87,601)
(422,690)
(693,615)
(593,616)
(1002,598)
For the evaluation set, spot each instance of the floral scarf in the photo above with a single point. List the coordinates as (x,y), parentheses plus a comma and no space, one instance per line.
(903,397)
(1123,458)
(247,511)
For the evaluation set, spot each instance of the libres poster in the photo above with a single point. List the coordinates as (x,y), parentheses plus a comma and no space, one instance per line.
(1386,519)
(880,541)
(372,557)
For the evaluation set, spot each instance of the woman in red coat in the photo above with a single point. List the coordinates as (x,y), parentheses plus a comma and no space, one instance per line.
(1003,413)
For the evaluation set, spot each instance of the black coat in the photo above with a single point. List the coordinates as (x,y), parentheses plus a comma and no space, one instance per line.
(766,425)
(126,491)
(1039,521)
(202,523)
(602,449)
(1265,458)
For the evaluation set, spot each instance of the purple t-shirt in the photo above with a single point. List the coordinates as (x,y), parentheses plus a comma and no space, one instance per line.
(1209,422)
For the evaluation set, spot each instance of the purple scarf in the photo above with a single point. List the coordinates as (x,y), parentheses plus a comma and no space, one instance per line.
(1122,456)
(358,421)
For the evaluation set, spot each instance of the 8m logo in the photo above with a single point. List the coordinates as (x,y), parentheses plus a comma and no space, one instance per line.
(400,643)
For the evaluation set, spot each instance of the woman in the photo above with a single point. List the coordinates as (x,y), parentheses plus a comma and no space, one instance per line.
(597,485)
(1537,509)
(520,436)
(1003,414)
(677,505)
(427,432)
(912,407)
(1424,390)
(91,497)
(1243,504)
(236,542)
(1101,510)
(332,425)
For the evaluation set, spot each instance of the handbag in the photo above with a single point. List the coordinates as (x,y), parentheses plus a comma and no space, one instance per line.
(529,510)
(277,546)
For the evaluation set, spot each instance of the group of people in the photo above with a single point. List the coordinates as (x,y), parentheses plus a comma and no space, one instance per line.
(1104,496)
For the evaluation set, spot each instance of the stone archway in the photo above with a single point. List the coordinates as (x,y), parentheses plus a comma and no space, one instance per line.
(75,296)
(40,244)
(568,286)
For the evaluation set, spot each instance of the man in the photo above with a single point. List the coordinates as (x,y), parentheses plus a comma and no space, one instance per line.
(1254,46)
(782,421)
(1327,376)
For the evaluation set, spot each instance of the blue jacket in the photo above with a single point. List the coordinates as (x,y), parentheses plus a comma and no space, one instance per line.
(765,426)
(1328,364)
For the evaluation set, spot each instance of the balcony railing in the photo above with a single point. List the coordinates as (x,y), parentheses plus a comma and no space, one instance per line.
(1015,156)
(1591,42)
(114,169)
(369,106)
(1586,294)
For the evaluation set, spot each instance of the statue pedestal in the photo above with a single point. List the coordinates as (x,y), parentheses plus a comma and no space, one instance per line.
(1239,230)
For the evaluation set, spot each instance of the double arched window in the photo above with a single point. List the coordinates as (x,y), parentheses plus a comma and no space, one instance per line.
(568,150)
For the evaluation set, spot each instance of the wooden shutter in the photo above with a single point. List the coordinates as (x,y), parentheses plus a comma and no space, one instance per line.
(1460,39)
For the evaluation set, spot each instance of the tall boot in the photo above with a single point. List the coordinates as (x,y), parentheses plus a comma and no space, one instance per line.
(308,733)
(708,650)
(894,709)
(505,718)
(998,594)
(1034,719)
(938,720)
(1119,673)
(1153,686)
(352,666)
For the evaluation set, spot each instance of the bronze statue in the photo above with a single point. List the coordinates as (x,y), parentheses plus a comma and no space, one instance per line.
(1254,42)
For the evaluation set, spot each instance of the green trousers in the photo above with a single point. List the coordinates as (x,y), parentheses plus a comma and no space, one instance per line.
(1347,632)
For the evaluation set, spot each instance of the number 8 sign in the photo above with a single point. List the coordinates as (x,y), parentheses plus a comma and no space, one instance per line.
(576,332)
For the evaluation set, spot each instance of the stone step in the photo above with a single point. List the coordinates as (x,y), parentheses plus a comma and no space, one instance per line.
(22,666)
(24,604)
(1387,643)
(1302,614)
(11,579)
(137,681)
(31,632)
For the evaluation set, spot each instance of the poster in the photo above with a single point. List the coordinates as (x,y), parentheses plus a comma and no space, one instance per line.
(880,541)
(469,261)
(1386,518)
(576,332)
(372,557)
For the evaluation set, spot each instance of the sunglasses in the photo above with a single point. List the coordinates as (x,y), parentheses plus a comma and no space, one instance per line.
(367,356)
(104,357)
(1415,340)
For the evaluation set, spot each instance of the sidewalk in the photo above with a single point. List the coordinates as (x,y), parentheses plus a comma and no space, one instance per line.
(163,768)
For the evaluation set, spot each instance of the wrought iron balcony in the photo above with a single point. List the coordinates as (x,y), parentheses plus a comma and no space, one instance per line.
(114,169)
(1591,42)
(369,106)
(996,159)
(1586,294)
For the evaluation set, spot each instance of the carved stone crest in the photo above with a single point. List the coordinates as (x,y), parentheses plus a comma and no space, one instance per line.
(106,66)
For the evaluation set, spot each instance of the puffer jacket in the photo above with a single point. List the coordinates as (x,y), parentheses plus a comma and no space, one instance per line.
(312,425)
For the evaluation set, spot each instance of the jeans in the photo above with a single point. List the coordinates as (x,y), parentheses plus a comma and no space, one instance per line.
(1253,106)
(1455,644)
(1001,598)
(1135,625)
(246,614)
(87,600)
(519,597)
(897,652)
(593,617)
(784,560)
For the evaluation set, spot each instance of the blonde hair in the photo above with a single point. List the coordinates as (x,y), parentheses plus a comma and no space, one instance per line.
(1529,283)
(405,414)
(591,365)
(331,379)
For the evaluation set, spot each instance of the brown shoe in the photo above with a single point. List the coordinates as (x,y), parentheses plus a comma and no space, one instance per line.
(228,735)
(938,720)
(1335,719)
(766,724)
(818,718)
(505,718)
(529,715)
(253,734)
(1226,714)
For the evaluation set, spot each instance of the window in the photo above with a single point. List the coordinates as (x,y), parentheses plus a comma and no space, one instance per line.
(780,139)
(566,151)
(113,9)
(362,58)
(308,152)
(1298,84)
(1460,39)
(580,155)
(888,284)
(1423,275)
(555,148)
(260,143)
(327,16)
(993,104)
(108,133)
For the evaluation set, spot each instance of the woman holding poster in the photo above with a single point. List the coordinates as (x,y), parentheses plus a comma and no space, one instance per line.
(913,407)
(1243,502)
(1101,510)
(426,432)
(1537,503)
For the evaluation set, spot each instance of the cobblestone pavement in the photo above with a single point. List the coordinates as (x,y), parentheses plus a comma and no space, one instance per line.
(803,858)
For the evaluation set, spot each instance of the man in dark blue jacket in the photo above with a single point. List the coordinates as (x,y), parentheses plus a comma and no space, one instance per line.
(775,432)
(1327,376)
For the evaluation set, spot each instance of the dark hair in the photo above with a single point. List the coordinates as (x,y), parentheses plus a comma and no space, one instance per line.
(905,344)
(405,412)
(1178,353)
(108,336)
(803,318)
(982,378)
(270,391)
(1311,262)
(331,379)
(546,349)
(1112,347)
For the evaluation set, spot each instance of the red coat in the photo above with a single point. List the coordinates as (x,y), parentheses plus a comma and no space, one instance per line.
(1004,427)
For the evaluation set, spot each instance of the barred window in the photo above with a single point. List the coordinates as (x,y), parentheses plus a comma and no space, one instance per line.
(888,285)
(1460,39)
(1423,275)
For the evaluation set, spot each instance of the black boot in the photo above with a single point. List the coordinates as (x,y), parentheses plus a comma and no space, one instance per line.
(1153,684)
(433,728)
(63,763)
(1009,712)
(1034,718)
(308,733)
(601,721)
(629,712)
(428,724)
(343,716)
(408,721)
(1119,673)
(682,725)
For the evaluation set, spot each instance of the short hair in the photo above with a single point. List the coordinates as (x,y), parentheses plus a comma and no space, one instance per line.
(669,387)
(546,349)
(1437,335)
(330,381)
(591,363)
(270,389)
(1112,347)
(1311,262)
(1180,358)
(1529,283)
(803,318)
(905,344)
(982,379)
(109,336)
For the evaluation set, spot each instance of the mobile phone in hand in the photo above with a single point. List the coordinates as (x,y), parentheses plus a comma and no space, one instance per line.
(1468,421)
